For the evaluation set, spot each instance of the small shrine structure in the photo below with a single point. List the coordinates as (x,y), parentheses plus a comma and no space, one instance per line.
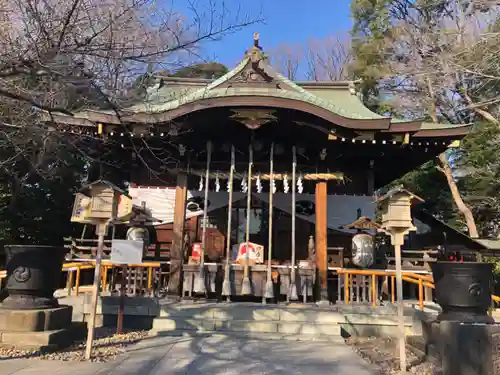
(268,172)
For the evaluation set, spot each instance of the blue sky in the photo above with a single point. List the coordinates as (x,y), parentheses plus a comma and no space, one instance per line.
(292,21)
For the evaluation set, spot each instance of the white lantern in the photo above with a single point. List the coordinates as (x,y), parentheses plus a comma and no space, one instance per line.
(363,249)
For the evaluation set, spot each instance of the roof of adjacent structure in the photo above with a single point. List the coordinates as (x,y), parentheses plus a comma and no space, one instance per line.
(488,247)
(254,83)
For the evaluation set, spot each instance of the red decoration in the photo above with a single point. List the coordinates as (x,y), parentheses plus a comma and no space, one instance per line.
(196,250)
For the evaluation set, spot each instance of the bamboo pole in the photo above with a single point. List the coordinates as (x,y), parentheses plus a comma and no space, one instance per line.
(269,291)
(200,287)
(292,295)
(397,241)
(121,306)
(226,286)
(102,228)
(246,288)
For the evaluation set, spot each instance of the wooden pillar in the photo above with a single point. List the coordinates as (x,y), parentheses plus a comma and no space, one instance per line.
(321,236)
(177,250)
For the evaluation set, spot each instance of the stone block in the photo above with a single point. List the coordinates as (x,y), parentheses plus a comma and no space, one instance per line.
(311,316)
(179,323)
(127,310)
(195,313)
(44,339)
(373,330)
(35,320)
(309,329)
(88,307)
(247,326)
(382,320)
(99,319)
(469,348)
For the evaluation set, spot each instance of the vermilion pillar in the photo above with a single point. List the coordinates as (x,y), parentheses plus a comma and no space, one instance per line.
(321,236)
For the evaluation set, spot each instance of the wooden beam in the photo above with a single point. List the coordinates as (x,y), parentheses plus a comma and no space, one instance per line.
(321,236)
(177,252)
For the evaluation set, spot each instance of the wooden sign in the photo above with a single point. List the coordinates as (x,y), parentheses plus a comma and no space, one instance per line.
(126,251)
(81,209)
(255,252)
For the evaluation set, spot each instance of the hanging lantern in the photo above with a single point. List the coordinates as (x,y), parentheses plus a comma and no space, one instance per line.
(139,233)
(363,249)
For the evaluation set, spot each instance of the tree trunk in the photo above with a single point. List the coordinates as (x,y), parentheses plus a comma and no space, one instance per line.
(457,197)
(448,172)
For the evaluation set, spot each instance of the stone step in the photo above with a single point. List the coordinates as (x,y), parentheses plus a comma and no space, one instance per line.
(263,326)
(257,313)
(248,335)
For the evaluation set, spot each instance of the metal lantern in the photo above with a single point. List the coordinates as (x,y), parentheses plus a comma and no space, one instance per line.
(139,233)
(363,250)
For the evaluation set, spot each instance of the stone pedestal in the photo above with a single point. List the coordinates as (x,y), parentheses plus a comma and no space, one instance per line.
(39,329)
(469,348)
(467,339)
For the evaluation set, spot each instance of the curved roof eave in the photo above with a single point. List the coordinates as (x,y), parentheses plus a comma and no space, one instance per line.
(243,98)
(430,130)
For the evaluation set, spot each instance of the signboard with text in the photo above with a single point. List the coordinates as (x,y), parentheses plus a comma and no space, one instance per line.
(126,251)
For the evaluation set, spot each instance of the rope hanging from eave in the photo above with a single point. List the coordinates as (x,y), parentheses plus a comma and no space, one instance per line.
(339,176)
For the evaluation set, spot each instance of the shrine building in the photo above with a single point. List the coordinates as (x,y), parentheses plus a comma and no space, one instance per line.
(265,176)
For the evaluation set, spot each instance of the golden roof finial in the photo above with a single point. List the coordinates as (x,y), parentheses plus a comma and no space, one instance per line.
(256,39)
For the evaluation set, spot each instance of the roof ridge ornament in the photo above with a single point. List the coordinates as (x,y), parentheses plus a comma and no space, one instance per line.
(256,37)
(254,53)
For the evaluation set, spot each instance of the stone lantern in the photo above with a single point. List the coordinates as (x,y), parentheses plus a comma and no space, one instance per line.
(396,209)
(98,202)
(397,222)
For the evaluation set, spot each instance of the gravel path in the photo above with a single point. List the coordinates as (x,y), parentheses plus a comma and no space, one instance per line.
(107,346)
(384,354)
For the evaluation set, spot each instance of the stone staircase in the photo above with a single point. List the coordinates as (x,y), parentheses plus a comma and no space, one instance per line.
(293,322)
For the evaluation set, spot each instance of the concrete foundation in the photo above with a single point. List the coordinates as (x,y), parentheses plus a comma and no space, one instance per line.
(35,320)
(471,348)
(44,329)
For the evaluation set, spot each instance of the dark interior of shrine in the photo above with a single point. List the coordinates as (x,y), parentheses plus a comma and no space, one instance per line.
(315,151)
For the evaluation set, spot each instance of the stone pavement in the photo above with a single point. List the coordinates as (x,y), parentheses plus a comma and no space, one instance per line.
(215,354)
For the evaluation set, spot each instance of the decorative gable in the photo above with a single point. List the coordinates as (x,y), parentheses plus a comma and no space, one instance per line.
(257,72)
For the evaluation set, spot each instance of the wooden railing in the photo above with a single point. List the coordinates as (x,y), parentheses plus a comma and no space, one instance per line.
(354,285)
(367,285)
(377,286)
(141,279)
(87,247)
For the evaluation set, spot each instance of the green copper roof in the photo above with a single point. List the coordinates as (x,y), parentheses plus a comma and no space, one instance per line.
(339,101)
(339,98)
